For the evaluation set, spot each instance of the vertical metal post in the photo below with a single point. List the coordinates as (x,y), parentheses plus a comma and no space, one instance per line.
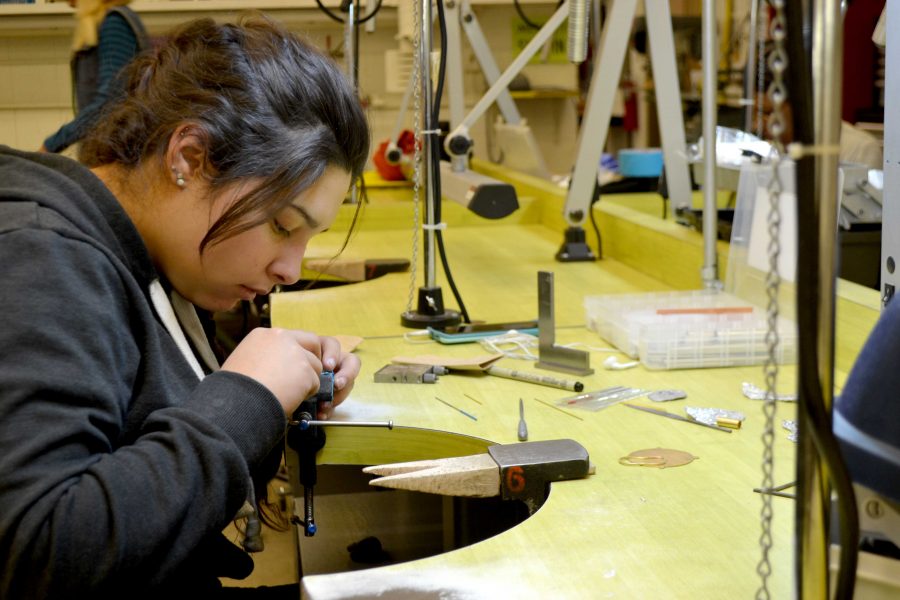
(350,43)
(668,102)
(813,487)
(750,72)
(428,139)
(890,215)
(455,89)
(709,272)
(608,65)
(351,51)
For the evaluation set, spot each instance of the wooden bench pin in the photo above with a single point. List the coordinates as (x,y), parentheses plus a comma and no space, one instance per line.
(511,471)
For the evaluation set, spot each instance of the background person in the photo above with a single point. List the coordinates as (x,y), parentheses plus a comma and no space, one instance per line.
(108,35)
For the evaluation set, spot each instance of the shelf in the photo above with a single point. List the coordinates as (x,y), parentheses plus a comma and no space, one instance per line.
(545,94)
(42,8)
(161,15)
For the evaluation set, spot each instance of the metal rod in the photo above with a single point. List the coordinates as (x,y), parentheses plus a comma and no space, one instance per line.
(890,244)
(351,51)
(827,61)
(827,51)
(457,409)
(306,424)
(350,26)
(454,69)
(309,521)
(750,73)
(428,139)
(709,272)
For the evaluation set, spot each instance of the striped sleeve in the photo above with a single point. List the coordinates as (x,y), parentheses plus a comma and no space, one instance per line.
(117,45)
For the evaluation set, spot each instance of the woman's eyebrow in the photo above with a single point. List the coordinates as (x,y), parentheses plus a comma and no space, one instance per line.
(313,223)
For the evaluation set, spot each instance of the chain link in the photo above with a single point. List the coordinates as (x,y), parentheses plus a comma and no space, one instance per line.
(417,147)
(777,94)
(760,33)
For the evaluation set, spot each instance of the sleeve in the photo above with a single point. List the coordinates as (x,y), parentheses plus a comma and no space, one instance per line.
(864,418)
(92,503)
(117,45)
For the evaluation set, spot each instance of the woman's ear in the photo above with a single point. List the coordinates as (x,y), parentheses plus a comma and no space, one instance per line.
(185,155)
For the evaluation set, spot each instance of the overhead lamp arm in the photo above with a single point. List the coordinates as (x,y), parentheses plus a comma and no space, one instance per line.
(595,124)
(459,142)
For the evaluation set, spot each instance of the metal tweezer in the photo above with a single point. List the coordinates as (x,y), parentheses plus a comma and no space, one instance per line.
(664,413)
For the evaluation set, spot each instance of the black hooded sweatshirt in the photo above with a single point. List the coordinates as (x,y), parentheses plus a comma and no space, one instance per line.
(119,465)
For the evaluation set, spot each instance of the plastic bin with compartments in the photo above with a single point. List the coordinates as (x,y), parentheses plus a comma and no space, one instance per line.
(684,330)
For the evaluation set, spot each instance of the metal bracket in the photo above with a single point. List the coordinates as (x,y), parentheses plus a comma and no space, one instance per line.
(551,356)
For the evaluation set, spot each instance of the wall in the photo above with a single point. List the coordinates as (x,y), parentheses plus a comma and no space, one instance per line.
(35,96)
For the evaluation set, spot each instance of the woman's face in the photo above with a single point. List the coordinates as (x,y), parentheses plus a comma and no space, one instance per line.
(243,266)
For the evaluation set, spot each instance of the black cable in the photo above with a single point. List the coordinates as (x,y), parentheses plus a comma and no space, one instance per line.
(597,229)
(358,21)
(436,160)
(439,238)
(811,403)
(522,16)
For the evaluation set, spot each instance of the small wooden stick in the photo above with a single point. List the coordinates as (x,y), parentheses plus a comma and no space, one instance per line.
(475,476)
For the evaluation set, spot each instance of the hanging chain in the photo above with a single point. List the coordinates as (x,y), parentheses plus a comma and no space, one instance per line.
(760,34)
(777,94)
(417,147)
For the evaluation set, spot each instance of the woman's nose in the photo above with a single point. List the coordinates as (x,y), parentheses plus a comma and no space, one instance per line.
(287,266)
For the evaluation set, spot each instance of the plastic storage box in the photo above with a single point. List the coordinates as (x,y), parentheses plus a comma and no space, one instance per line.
(684,330)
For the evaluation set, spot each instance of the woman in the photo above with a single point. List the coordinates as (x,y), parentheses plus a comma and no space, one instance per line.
(108,35)
(124,451)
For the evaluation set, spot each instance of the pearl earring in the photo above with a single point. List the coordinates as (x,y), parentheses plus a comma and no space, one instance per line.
(179,178)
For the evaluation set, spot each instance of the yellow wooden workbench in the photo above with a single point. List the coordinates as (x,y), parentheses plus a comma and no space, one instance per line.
(624,532)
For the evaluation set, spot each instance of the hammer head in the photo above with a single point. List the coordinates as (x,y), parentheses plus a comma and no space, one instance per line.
(527,469)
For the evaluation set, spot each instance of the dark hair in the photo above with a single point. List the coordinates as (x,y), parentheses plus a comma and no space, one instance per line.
(267,104)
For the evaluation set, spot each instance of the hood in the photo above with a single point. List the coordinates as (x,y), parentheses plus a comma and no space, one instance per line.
(68,188)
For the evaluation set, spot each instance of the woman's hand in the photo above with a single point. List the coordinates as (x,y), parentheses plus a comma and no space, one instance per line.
(288,362)
(346,368)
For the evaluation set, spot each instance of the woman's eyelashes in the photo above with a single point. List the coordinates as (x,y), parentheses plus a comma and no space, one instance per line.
(280,229)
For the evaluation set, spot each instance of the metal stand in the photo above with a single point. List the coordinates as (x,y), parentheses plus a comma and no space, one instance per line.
(595,126)
(430,311)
